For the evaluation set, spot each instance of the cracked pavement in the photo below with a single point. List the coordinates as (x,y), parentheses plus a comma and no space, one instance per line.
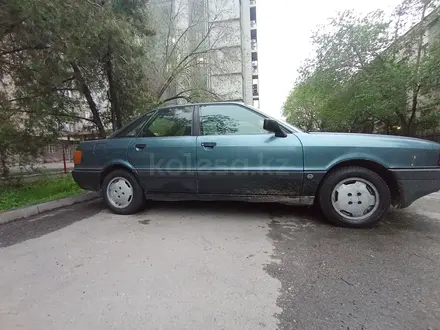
(194,265)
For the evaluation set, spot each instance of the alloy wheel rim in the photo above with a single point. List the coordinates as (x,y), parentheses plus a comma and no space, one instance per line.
(119,192)
(355,199)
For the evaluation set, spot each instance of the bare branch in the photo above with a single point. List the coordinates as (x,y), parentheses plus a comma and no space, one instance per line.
(12,26)
(29,97)
(57,114)
(94,4)
(68,79)
(181,95)
(173,74)
(180,38)
(176,97)
(18,50)
(167,40)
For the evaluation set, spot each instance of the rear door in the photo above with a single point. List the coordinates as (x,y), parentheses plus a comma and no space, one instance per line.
(163,153)
(235,155)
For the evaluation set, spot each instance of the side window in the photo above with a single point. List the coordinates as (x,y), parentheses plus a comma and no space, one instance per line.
(170,122)
(230,119)
(134,128)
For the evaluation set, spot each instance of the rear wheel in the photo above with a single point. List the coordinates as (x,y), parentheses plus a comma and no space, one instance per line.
(354,197)
(122,192)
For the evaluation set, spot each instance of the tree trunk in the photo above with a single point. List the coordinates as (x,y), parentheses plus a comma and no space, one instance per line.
(414,103)
(113,92)
(84,88)
(416,88)
(4,165)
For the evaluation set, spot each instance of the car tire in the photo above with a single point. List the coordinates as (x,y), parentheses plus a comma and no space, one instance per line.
(354,197)
(116,189)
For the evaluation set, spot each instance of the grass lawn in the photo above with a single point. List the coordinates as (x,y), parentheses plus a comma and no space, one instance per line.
(45,189)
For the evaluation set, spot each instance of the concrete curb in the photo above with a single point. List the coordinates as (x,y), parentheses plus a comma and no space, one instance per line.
(44,207)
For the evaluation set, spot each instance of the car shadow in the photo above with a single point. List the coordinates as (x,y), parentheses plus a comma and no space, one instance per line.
(273,211)
(394,220)
(22,230)
(281,218)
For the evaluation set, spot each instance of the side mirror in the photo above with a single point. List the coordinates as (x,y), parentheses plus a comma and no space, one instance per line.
(273,126)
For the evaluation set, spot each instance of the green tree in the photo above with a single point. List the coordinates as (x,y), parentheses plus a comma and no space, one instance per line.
(377,77)
(64,61)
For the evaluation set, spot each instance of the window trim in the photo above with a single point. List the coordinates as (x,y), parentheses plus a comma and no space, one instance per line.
(197,110)
(287,129)
(195,129)
(196,121)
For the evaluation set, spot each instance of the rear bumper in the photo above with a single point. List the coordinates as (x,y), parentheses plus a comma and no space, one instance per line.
(87,179)
(416,183)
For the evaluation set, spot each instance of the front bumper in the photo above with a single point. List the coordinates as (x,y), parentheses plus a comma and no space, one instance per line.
(87,179)
(416,183)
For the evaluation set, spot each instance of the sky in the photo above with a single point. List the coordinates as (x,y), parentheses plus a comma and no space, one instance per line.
(284,29)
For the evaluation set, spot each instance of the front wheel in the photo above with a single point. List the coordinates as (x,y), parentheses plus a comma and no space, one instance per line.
(122,192)
(354,197)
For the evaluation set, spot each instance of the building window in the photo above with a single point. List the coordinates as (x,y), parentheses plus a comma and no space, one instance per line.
(254,35)
(51,149)
(253,14)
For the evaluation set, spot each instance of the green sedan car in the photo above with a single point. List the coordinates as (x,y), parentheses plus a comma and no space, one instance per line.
(229,151)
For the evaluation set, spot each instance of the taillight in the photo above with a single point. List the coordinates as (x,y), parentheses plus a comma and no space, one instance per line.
(77,155)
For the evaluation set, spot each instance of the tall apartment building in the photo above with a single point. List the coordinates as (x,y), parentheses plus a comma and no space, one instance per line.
(227,31)
(254,56)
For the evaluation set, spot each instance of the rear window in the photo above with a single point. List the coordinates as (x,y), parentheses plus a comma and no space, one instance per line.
(170,122)
(134,128)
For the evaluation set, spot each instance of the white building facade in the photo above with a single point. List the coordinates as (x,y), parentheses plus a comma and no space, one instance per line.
(223,34)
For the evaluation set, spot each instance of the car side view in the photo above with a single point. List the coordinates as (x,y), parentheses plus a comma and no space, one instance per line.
(229,151)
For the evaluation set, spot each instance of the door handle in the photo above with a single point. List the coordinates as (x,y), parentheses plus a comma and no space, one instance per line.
(140,146)
(209,145)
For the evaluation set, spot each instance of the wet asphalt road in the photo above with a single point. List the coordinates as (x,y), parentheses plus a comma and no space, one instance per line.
(220,266)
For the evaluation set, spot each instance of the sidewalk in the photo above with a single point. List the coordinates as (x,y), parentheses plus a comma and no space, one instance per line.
(47,167)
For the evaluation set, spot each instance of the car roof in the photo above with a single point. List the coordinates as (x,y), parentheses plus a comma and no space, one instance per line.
(213,103)
(201,103)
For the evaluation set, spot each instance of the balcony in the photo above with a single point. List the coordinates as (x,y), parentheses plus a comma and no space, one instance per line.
(255,90)
(253,24)
(254,45)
